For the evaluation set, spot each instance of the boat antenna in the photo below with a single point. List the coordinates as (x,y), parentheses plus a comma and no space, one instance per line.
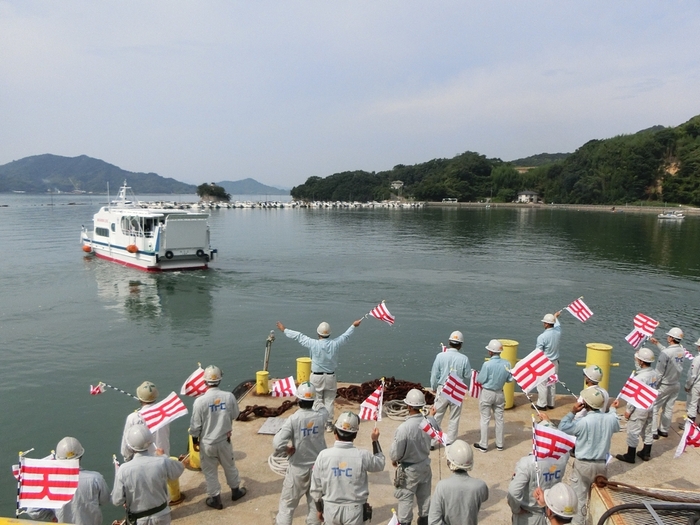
(109,201)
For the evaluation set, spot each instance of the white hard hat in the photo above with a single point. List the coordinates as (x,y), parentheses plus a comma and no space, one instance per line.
(324,329)
(139,438)
(494,346)
(549,319)
(147,392)
(644,354)
(697,343)
(415,398)
(561,500)
(213,375)
(306,392)
(456,337)
(676,333)
(69,448)
(594,373)
(348,422)
(593,397)
(460,455)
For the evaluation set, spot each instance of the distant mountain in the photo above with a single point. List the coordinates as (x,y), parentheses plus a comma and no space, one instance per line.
(539,160)
(250,187)
(42,173)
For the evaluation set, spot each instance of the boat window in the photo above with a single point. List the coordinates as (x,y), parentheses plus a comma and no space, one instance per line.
(102,232)
(131,226)
(114,229)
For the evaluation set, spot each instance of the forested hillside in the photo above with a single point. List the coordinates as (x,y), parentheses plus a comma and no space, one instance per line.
(656,164)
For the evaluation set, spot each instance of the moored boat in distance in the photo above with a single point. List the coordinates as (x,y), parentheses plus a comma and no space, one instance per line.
(672,215)
(148,238)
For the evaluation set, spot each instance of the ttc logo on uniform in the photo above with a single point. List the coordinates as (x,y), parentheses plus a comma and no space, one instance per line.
(217,405)
(309,430)
(342,470)
(554,474)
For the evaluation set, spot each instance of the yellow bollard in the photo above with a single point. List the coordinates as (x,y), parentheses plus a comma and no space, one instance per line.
(303,369)
(599,354)
(174,489)
(262,385)
(510,354)
(194,456)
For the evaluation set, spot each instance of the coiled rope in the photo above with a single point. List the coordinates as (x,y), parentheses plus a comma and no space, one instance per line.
(396,409)
(278,463)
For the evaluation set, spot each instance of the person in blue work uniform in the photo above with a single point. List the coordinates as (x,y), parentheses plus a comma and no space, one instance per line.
(451,361)
(493,375)
(548,341)
(324,361)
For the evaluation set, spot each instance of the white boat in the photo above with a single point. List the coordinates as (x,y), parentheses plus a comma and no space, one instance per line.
(155,240)
(672,215)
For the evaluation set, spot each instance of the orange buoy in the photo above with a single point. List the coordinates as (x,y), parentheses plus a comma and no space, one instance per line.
(132,248)
(87,248)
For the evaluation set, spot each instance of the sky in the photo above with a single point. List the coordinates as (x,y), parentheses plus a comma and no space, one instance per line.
(280,91)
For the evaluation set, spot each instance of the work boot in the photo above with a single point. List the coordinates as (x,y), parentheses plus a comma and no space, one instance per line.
(663,434)
(238,493)
(645,453)
(629,457)
(422,520)
(215,502)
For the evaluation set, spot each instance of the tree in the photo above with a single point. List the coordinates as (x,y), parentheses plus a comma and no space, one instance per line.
(212,192)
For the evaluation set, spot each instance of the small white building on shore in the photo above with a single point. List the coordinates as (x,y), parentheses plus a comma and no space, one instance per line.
(528,197)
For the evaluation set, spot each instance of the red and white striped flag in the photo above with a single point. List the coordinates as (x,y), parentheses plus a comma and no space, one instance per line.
(15,471)
(691,438)
(475,387)
(97,390)
(371,408)
(284,387)
(394,518)
(443,348)
(532,370)
(382,313)
(158,415)
(638,394)
(195,385)
(433,432)
(636,338)
(645,324)
(554,378)
(551,442)
(47,484)
(687,354)
(454,389)
(579,310)
(115,462)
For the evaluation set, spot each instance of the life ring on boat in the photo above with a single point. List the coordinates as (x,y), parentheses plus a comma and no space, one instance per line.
(132,248)
(168,254)
(87,248)
(200,253)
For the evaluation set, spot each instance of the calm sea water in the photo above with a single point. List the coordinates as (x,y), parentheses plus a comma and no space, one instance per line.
(67,321)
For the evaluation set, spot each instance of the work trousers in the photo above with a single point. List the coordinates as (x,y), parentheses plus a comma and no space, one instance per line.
(326,386)
(297,482)
(213,455)
(441,405)
(638,426)
(546,394)
(350,514)
(582,475)
(418,478)
(691,405)
(491,400)
(663,407)
(159,518)
(530,517)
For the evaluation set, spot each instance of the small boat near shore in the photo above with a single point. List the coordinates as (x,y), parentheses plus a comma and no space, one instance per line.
(147,238)
(671,215)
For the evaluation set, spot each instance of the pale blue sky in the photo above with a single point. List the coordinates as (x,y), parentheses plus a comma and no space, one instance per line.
(280,91)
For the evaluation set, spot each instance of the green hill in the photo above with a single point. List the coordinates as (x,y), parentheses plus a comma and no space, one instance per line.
(42,173)
(250,187)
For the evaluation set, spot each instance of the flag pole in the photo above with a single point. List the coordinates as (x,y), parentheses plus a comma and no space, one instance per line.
(567,388)
(530,400)
(534,452)
(19,479)
(122,391)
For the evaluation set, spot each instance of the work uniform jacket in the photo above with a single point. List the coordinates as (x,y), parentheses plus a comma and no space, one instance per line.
(212,415)
(524,483)
(457,500)
(84,508)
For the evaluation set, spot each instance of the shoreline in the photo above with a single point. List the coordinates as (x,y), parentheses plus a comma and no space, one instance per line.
(688,210)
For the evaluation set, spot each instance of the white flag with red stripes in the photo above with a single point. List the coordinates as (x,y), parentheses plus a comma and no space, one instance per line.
(636,338)
(433,432)
(475,387)
(47,483)
(645,324)
(691,438)
(638,394)
(381,312)
(284,387)
(97,390)
(551,442)
(454,389)
(532,370)
(158,415)
(579,310)
(371,408)
(195,385)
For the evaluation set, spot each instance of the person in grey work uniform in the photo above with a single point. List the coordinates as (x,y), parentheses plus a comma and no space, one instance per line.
(639,419)
(213,414)
(324,361)
(451,361)
(493,375)
(548,341)
(457,499)
(521,498)
(141,485)
(593,435)
(669,366)
(692,387)
(410,454)
(302,438)
(147,394)
(558,503)
(339,484)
